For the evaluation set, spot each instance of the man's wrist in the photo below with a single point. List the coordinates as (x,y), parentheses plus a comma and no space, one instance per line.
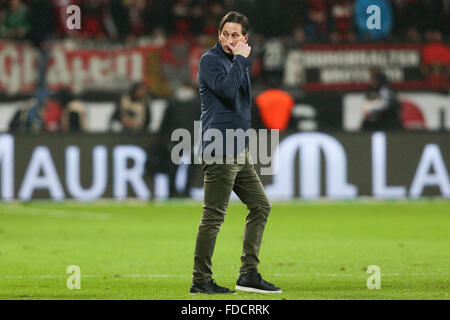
(245,62)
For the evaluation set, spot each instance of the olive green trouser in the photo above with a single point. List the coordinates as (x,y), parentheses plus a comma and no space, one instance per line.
(219,181)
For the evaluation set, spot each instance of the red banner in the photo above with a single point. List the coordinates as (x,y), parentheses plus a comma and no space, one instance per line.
(104,69)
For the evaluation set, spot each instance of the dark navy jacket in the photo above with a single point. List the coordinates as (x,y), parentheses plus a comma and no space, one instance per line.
(225,93)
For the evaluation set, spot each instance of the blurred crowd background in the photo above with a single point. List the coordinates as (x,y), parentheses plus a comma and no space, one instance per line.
(129,54)
(130,70)
(299,20)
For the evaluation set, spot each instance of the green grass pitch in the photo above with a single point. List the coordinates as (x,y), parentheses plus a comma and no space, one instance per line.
(312,250)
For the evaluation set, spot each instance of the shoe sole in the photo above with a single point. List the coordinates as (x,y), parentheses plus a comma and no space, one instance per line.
(249,289)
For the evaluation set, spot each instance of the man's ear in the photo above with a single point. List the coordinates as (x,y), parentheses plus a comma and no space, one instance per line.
(246,38)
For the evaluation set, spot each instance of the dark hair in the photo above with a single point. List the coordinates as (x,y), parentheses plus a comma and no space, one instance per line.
(378,77)
(133,90)
(236,17)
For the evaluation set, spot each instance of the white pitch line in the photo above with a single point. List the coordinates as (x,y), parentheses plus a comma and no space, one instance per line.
(56,276)
(54,213)
(417,274)
(49,276)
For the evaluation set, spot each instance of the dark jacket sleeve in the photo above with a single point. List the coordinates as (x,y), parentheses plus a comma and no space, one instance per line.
(222,83)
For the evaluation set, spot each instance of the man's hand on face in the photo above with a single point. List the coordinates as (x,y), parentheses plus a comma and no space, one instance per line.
(241,48)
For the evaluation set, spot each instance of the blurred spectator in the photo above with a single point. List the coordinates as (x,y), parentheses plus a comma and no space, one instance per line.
(158,37)
(342,20)
(406,11)
(43,26)
(129,18)
(297,39)
(36,115)
(433,35)
(185,98)
(159,15)
(15,24)
(132,111)
(381,108)
(73,117)
(42,21)
(34,122)
(415,18)
(295,13)
(436,61)
(212,12)
(27,118)
(412,34)
(93,19)
(197,17)
(137,19)
(32,115)
(59,113)
(120,17)
(317,27)
(52,116)
(273,18)
(180,11)
(179,48)
(437,15)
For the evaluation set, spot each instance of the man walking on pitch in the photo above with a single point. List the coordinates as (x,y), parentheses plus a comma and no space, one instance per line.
(225,104)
